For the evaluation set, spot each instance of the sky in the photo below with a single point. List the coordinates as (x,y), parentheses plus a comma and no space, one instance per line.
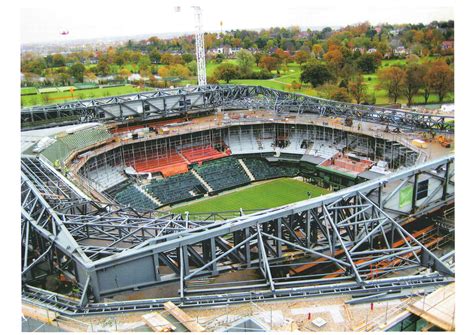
(95,19)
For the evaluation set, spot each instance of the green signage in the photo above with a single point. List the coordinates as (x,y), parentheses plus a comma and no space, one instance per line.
(406,195)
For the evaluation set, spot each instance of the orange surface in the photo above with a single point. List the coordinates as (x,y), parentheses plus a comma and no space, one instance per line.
(200,154)
(338,252)
(167,165)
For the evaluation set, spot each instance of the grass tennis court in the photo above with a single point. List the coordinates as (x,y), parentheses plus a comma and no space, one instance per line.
(275,193)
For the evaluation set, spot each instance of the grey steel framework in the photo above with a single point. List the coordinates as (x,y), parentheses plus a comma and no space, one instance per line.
(172,102)
(109,249)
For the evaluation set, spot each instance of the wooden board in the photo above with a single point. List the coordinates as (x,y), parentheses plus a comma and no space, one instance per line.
(437,307)
(158,323)
(39,314)
(182,317)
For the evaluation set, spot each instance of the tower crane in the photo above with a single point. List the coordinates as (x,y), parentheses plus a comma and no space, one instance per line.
(200,50)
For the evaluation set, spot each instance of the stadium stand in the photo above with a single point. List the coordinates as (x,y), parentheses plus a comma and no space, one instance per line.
(222,174)
(64,145)
(262,170)
(198,154)
(111,192)
(105,177)
(168,165)
(132,196)
(175,189)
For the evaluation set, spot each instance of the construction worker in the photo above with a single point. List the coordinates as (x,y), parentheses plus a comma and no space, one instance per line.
(57,164)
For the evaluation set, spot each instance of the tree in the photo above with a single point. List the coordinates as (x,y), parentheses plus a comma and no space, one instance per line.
(440,79)
(192,66)
(335,93)
(315,73)
(317,50)
(392,79)
(58,60)
(246,61)
(103,67)
(414,81)
(368,63)
(124,73)
(155,56)
(187,58)
(301,56)
(144,64)
(219,58)
(334,57)
(269,63)
(358,89)
(77,71)
(227,72)
(90,76)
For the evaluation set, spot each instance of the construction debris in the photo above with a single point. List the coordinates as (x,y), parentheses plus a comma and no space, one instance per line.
(437,308)
(38,313)
(182,317)
(158,323)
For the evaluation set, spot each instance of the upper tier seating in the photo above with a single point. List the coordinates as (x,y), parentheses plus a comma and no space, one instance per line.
(223,174)
(201,153)
(131,196)
(176,188)
(63,146)
(262,170)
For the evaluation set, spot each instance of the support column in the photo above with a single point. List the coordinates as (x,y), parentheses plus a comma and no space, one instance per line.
(415,191)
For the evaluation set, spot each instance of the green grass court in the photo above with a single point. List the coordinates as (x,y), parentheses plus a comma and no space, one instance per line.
(274,193)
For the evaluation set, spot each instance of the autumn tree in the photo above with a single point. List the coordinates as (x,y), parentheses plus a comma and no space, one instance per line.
(336,93)
(334,57)
(317,50)
(315,73)
(301,57)
(440,78)
(226,72)
(392,79)
(413,81)
(269,63)
(124,73)
(357,88)
(246,61)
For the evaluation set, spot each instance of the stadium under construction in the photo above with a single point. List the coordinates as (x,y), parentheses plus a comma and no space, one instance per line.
(103,181)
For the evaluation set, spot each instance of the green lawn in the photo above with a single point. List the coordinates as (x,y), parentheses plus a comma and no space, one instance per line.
(58,97)
(275,193)
(28,90)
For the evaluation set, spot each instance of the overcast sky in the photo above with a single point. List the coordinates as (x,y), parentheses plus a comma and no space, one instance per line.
(89,19)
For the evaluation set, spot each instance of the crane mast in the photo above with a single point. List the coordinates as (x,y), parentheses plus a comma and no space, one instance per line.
(200,50)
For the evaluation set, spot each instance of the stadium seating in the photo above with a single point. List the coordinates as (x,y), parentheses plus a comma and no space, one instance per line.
(169,165)
(105,177)
(223,174)
(262,170)
(177,188)
(63,146)
(111,192)
(133,197)
(201,153)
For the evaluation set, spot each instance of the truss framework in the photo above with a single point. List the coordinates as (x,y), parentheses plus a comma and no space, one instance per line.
(108,249)
(171,102)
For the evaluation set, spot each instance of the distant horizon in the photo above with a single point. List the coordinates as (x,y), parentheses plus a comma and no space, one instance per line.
(43,25)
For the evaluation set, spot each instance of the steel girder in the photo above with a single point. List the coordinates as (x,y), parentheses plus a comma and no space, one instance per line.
(348,231)
(169,102)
